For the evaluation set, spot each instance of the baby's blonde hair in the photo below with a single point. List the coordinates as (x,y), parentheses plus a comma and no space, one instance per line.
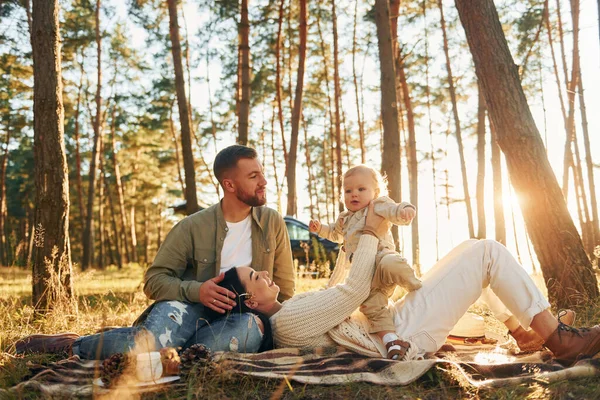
(378,180)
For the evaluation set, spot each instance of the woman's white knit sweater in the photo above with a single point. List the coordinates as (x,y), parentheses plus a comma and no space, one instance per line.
(322,318)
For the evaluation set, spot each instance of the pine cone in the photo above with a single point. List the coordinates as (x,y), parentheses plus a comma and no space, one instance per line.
(196,358)
(113,367)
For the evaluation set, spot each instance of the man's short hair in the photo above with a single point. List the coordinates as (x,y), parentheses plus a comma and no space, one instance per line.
(228,158)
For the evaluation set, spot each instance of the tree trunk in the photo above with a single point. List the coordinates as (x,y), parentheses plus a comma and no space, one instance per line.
(567,270)
(589,164)
(132,216)
(430,129)
(177,158)
(569,123)
(499,221)
(184,115)
(457,128)
(128,251)
(276,176)
(336,100)
(278,80)
(244,33)
(390,165)
(411,155)
(88,239)
(326,174)
(77,149)
(51,268)
(113,220)
(159,229)
(101,252)
(330,133)
(146,236)
(346,139)
(187,64)
(571,90)
(3,208)
(133,233)
(481,225)
(311,180)
(296,112)
(361,127)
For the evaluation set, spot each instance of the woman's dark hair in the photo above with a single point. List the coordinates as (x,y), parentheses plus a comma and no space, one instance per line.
(228,158)
(232,282)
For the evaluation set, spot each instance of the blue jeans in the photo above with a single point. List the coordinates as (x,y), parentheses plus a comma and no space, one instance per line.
(176,324)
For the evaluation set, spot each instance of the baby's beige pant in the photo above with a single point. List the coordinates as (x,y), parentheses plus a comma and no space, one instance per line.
(392,270)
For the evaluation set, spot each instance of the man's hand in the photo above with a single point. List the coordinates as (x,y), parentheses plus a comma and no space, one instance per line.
(408,214)
(314,226)
(216,297)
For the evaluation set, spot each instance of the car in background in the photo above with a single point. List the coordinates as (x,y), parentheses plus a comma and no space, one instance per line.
(319,249)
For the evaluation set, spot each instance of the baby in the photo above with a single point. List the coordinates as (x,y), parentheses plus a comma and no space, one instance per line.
(361,185)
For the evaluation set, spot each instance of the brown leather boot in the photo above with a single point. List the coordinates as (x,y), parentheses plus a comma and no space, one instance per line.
(62,342)
(570,344)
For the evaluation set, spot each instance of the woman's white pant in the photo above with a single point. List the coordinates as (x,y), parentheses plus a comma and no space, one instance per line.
(427,315)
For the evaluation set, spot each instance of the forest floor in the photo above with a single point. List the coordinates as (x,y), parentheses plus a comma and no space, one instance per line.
(114,297)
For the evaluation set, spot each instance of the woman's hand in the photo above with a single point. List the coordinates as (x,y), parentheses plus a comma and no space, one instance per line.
(375,225)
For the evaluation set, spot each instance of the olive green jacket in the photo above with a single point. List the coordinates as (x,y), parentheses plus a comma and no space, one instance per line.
(191,254)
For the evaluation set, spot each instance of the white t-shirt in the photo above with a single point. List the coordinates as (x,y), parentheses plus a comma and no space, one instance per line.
(237,246)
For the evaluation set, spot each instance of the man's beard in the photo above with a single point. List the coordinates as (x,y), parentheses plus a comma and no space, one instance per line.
(251,200)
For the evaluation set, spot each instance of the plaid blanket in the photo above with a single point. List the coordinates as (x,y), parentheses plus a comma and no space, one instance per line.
(481,365)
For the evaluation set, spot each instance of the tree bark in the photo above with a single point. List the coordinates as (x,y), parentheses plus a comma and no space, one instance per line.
(330,132)
(499,220)
(411,155)
(567,270)
(311,180)
(146,236)
(481,223)
(457,128)
(77,149)
(177,158)
(244,33)
(390,165)
(361,127)
(430,129)
(159,229)
(3,209)
(113,220)
(128,251)
(88,238)
(336,101)
(191,196)
(51,258)
(101,252)
(326,174)
(296,113)
(275,175)
(133,233)
(589,164)
(571,90)
(278,79)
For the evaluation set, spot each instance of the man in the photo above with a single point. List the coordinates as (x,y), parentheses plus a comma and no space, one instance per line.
(238,231)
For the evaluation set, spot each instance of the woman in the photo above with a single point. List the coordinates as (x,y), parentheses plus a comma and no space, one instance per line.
(423,318)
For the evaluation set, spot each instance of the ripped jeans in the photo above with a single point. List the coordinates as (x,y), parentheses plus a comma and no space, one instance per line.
(175,324)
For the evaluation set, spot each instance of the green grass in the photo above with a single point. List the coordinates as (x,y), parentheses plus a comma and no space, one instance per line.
(114,298)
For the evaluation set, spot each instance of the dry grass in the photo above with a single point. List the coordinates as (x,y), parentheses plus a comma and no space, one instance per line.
(113,298)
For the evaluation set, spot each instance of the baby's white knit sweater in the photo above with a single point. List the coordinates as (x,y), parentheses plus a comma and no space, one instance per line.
(322,318)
